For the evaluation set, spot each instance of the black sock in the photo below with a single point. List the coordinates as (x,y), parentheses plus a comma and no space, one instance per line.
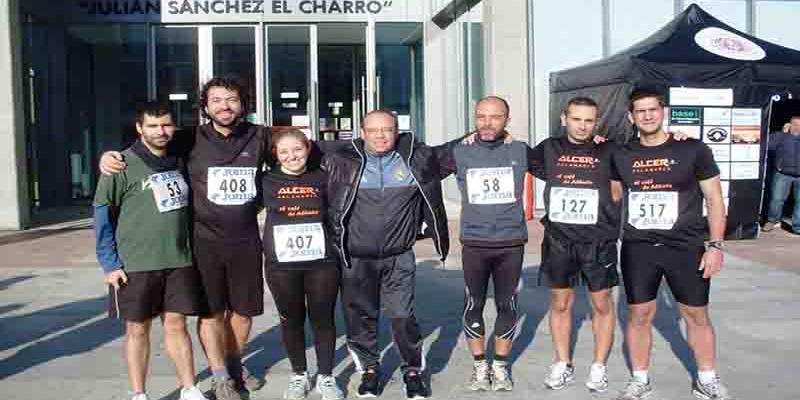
(479,357)
(501,357)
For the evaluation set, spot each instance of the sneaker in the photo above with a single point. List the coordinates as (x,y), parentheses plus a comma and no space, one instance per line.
(635,390)
(192,393)
(714,390)
(770,226)
(501,377)
(140,396)
(328,388)
(369,384)
(298,387)
(481,380)
(598,379)
(224,389)
(559,376)
(414,386)
(249,381)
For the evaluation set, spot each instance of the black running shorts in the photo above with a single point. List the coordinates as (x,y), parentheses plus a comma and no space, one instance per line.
(147,294)
(567,264)
(232,275)
(644,264)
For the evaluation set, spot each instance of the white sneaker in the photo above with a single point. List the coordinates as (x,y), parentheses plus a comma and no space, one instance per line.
(480,380)
(559,376)
(501,377)
(192,393)
(298,387)
(713,390)
(140,396)
(328,388)
(598,379)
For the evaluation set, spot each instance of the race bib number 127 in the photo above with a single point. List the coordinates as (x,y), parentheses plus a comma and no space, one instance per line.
(230,186)
(573,205)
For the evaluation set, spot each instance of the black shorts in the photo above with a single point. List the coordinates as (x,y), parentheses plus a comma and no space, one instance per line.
(149,293)
(567,264)
(232,275)
(643,265)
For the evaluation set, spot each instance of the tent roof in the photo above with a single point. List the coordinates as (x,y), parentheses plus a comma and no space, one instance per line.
(675,44)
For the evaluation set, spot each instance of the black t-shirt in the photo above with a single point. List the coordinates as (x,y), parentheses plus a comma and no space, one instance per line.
(664,203)
(577,197)
(223,174)
(296,229)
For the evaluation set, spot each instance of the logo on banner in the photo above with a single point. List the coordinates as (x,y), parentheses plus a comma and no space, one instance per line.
(717,135)
(728,44)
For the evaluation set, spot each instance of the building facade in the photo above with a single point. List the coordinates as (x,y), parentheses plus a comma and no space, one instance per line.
(75,69)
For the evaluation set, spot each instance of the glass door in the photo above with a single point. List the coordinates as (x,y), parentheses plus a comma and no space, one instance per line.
(399,85)
(290,77)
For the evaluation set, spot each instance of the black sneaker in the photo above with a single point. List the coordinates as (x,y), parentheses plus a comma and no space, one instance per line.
(414,386)
(369,384)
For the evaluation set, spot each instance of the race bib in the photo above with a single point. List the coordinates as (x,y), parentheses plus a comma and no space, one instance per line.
(490,185)
(231,186)
(170,190)
(299,242)
(573,205)
(652,210)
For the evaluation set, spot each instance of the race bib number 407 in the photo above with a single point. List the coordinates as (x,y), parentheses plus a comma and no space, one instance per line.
(299,242)
(170,190)
(230,186)
(652,210)
(490,185)
(573,205)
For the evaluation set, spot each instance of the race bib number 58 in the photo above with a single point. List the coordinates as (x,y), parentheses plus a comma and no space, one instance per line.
(652,210)
(170,190)
(490,185)
(230,186)
(299,242)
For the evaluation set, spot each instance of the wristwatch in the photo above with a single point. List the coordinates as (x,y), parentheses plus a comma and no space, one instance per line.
(719,245)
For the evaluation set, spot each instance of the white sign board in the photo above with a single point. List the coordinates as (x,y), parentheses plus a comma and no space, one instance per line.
(682,96)
(179,11)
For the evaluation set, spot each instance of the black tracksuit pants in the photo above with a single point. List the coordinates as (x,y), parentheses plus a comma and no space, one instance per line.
(370,286)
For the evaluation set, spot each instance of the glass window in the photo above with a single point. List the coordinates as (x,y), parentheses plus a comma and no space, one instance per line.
(473,69)
(776,21)
(398,53)
(289,64)
(234,49)
(731,12)
(177,72)
(631,21)
(342,89)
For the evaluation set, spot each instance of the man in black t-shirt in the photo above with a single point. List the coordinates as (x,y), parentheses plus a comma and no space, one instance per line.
(580,237)
(666,182)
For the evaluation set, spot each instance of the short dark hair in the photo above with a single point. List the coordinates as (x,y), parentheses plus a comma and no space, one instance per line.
(794,117)
(580,101)
(498,98)
(153,108)
(641,93)
(225,82)
(383,111)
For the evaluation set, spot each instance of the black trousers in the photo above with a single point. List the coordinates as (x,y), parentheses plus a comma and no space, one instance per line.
(372,286)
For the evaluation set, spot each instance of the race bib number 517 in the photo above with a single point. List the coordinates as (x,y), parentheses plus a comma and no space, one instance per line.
(230,186)
(652,210)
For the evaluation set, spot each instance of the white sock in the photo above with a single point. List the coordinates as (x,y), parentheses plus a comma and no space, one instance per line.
(706,377)
(560,365)
(597,366)
(641,376)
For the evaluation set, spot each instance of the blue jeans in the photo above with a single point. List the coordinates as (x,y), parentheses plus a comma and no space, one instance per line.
(781,184)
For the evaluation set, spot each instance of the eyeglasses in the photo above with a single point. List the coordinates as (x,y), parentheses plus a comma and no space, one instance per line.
(373,131)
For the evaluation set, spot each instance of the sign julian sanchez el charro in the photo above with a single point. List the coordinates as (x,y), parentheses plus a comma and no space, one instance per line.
(231,11)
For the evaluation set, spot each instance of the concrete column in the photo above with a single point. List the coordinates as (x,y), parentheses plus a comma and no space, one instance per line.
(506,50)
(14,196)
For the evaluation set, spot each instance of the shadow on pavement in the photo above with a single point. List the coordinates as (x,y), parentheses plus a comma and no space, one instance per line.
(8,282)
(29,328)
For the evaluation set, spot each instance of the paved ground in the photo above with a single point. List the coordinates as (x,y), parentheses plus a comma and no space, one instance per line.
(55,342)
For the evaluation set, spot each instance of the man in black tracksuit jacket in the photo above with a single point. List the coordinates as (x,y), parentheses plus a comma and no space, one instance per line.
(383,189)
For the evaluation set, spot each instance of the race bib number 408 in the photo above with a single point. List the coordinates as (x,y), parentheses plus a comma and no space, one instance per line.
(299,242)
(573,205)
(490,185)
(170,190)
(230,186)
(652,210)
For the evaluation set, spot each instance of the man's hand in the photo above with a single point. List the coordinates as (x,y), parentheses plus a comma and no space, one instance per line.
(597,139)
(112,162)
(711,263)
(679,136)
(786,127)
(117,278)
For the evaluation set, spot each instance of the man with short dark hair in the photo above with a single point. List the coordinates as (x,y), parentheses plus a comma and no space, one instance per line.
(786,146)
(666,182)
(143,246)
(383,188)
(581,228)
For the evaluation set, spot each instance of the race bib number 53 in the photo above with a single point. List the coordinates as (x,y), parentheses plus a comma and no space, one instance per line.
(299,242)
(652,210)
(170,190)
(490,185)
(230,186)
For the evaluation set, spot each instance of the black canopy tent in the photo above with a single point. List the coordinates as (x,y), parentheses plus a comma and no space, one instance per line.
(672,57)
